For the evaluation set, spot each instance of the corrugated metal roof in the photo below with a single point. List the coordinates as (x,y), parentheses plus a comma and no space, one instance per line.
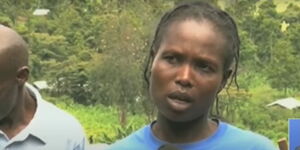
(41,12)
(41,85)
(288,103)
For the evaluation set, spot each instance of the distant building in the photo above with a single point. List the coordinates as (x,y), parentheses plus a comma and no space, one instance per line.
(41,12)
(287,103)
(40,85)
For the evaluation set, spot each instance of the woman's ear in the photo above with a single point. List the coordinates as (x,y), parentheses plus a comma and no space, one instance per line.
(22,75)
(226,75)
(152,59)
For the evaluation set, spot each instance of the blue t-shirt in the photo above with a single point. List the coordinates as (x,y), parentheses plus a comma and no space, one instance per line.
(294,134)
(227,137)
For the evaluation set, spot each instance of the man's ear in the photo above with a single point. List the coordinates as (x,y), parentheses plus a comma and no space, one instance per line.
(22,75)
(226,75)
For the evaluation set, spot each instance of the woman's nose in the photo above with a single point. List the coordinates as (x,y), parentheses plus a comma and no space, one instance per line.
(184,77)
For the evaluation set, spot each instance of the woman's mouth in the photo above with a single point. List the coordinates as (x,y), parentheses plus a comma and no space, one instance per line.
(179,101)
(180,96)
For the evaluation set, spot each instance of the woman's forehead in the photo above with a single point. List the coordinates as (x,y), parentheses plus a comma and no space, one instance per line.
(194,31)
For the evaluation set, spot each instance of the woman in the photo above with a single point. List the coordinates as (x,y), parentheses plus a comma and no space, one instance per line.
(194,52)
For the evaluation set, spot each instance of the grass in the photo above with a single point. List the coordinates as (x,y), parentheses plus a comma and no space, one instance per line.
(100,123)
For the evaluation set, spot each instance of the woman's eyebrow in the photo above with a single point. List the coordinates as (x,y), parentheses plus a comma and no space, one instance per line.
(207,60)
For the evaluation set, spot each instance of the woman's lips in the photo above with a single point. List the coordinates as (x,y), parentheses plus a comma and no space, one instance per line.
(179,101)
(180,97)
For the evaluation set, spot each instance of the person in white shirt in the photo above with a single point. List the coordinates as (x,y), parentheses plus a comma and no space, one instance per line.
(27,122)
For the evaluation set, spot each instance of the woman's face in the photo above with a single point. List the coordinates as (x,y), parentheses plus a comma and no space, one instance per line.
(187,71)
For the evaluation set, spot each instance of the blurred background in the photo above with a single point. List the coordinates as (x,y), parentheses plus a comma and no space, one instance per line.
(87,57)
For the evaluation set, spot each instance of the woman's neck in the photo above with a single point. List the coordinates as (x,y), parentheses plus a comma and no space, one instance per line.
(183,132)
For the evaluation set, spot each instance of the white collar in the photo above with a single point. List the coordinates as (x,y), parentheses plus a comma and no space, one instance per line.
(35,127)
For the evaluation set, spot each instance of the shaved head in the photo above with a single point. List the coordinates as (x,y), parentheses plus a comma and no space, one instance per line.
(13,51)
(14,70)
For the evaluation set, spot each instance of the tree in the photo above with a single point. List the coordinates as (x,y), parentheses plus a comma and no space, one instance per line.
(283,70)
(117,79)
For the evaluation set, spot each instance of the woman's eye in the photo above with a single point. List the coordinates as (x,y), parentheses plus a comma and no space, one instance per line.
(204,67)
(171,59)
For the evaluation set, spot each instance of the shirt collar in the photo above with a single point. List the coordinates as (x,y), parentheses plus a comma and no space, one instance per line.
(156,141)
(36,127)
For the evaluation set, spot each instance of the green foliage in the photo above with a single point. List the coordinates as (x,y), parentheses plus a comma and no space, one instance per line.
(5,20)
(101,123)
(284,66)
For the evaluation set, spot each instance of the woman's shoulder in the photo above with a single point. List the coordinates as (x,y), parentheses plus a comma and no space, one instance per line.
(133,141)
(235,131)
(247,138)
